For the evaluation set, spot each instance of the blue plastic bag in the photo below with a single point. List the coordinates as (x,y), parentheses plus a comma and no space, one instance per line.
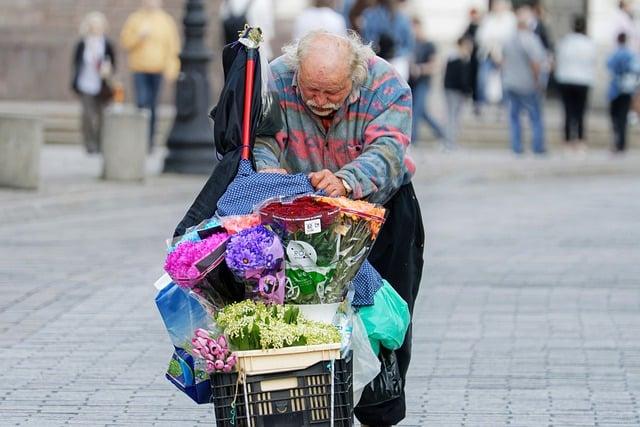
(187,374)
(181,313)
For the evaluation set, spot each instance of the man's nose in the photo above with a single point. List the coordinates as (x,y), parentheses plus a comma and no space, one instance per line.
(320,100)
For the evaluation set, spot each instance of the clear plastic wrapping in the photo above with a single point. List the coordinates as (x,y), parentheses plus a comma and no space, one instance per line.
(256,257)
(308,231)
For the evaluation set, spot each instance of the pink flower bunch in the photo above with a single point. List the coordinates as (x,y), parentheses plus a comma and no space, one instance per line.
(181,262)
(237,223)
(215,352)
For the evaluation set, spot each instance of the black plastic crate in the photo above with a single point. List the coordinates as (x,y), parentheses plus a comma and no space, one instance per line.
(293,398)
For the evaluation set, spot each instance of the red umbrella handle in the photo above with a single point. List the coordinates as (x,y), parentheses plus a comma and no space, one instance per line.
(248,92)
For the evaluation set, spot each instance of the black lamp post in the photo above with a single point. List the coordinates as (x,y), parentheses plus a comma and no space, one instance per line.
(190,141)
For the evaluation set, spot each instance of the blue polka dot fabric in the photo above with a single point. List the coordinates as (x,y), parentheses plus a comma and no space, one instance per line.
(366,283)
(250,188)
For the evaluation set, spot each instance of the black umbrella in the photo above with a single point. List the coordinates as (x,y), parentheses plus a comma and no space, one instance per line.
(234,187)
(237,60)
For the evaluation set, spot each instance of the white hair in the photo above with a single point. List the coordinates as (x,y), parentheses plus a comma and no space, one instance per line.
(93,18)
(360,53)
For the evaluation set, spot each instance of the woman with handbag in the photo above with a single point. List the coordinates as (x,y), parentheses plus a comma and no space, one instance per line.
(93,67)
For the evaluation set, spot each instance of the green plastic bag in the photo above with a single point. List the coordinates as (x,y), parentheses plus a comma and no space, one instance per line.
(387,320)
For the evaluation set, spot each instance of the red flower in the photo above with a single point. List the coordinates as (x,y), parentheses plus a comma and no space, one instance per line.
(297,211)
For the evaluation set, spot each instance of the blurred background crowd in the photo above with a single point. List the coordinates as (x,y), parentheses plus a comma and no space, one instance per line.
(473,60)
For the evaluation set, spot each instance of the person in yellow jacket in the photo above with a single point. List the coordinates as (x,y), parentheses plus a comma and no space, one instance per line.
(150,37)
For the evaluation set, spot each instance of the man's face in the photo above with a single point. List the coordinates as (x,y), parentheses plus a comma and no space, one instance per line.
(324,89)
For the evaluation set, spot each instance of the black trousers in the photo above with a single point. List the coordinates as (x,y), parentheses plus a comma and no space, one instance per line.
(619,110)
(398,257)
(574,100)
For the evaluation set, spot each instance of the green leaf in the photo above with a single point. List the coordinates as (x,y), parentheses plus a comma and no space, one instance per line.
(174,368)
(291,315)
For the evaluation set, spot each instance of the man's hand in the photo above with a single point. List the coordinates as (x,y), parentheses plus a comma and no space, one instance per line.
(274,170)
(327,181)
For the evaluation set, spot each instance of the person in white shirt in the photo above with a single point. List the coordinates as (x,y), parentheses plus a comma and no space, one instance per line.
(495,29)
(320,16)
(575,74)
(622,21)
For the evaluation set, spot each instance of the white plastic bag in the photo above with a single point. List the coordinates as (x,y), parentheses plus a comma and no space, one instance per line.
(493,86)
(366,365)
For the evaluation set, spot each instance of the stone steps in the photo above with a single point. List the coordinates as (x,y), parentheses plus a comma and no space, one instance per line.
(62,125)
(62,119)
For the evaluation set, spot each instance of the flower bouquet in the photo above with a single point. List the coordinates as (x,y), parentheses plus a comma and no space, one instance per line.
(250,325)
(196,233)
(256,258)
(307,228)
(359,225)
(249,330)
(196,266)
(214,351)
(236,223)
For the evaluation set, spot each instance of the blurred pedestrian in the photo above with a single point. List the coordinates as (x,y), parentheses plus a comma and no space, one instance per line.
(93,65)
(457,87)
(522,62)
(624,68)
(352,11)
(575,74)
(320,16)
(256,13)
(622,21)
(389,29)
(539,28)
(496,28)
(471,34)
(150,37)
(422,68)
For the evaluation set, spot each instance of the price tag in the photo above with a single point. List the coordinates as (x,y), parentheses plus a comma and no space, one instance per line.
(312,226)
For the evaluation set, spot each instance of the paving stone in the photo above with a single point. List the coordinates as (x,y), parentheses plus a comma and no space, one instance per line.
(527,315)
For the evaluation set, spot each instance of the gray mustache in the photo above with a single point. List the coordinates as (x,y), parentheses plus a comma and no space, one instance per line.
(329,105)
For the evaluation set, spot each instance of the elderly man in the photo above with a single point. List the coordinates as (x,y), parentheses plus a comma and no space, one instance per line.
(347,124)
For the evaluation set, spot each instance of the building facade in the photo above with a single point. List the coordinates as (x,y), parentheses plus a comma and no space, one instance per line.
(37,36)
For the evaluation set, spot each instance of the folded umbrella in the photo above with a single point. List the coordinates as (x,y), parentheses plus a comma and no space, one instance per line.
(242,112)
(249,188)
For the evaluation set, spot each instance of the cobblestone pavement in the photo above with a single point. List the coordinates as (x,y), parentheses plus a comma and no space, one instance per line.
(529,313)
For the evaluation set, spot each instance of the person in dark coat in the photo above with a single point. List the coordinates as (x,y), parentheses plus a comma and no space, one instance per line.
(457,86)
(470,33)
(93,63)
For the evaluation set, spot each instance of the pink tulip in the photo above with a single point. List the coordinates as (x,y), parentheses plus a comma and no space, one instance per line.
(219,364)
(202,342)
(222,341)
(210,367)
(226,369)
(196,351)
(231,360)
(202,333)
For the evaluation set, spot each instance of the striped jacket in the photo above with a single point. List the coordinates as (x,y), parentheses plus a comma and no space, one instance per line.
(366,143)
